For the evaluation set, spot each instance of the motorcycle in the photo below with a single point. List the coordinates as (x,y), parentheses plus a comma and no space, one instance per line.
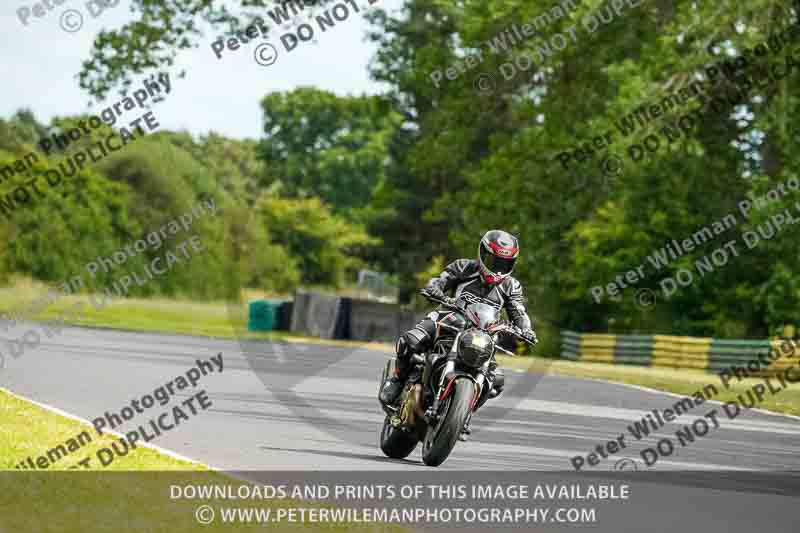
(448,383)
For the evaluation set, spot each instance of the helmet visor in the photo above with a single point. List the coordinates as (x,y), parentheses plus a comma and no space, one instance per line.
(498,265)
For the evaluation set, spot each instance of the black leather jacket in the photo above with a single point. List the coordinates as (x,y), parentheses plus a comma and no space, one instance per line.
(463,276)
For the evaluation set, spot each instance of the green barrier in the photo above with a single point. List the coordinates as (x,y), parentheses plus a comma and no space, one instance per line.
(634,350)
(727,353)
(263,315)
(570,345)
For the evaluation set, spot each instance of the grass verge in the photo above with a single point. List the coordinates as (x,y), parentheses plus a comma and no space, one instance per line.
(158,315)
(131,494)
(213,319)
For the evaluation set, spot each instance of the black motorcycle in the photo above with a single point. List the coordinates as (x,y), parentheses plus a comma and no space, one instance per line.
(447,384)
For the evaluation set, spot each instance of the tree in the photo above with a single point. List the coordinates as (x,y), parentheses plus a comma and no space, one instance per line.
(320,144)
(465,159)
(149,45)
(577,227)
(234,163)
(324,246)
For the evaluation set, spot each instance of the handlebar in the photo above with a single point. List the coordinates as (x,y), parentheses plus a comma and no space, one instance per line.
(513,330)
(452,303)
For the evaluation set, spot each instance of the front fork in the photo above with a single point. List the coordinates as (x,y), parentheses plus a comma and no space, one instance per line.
(448,373)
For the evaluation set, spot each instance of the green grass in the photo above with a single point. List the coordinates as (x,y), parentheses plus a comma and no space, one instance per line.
(158,315)
(131,494)
(28,430)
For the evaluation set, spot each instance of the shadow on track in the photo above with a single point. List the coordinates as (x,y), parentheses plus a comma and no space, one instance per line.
(347,455)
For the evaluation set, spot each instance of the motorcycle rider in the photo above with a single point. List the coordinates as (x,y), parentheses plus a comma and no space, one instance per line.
(487,278)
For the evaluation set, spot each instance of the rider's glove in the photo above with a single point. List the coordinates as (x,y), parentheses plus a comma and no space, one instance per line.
(448,301)
(529,335)
(434,293)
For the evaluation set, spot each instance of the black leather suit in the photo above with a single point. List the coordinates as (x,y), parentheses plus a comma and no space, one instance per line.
(462,278)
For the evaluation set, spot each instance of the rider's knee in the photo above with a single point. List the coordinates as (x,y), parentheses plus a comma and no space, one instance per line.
(401,348)
(429,327)
(413,341)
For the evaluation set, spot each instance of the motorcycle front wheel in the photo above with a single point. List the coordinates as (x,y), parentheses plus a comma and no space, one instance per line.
(441,438)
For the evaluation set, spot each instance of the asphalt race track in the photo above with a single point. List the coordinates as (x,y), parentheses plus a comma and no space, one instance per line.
(312,406)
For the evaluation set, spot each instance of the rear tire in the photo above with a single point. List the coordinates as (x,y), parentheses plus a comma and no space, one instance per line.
(396,443)
(441,440)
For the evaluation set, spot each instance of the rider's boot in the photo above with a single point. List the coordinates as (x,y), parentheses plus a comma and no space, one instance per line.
(393,386)
(411,342)
(465,431)
(498,382)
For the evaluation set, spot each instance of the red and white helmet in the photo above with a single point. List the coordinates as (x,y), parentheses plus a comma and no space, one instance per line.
(497,253)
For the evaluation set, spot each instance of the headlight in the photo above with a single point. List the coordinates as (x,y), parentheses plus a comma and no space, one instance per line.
(475,347)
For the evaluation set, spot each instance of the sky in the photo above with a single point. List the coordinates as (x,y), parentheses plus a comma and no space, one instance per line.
(41,62)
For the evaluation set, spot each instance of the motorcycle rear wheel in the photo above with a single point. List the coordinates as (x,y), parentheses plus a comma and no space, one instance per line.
(396,443)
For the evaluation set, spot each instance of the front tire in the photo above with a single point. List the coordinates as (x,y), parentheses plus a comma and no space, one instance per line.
(442,438)
(396,443)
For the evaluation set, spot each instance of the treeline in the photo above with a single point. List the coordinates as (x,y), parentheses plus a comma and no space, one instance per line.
(473,155)
(406,181)
(257,238)
(462,159)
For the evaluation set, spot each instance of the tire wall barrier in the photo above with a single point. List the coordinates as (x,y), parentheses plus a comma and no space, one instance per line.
(668,351)
(334,317)
(375,321)
(318,315)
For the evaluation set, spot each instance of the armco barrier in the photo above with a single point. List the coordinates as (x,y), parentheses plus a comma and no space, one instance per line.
(668,351)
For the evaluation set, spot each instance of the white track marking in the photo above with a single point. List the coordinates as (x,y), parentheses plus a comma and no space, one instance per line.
(279,352)
(657,391)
